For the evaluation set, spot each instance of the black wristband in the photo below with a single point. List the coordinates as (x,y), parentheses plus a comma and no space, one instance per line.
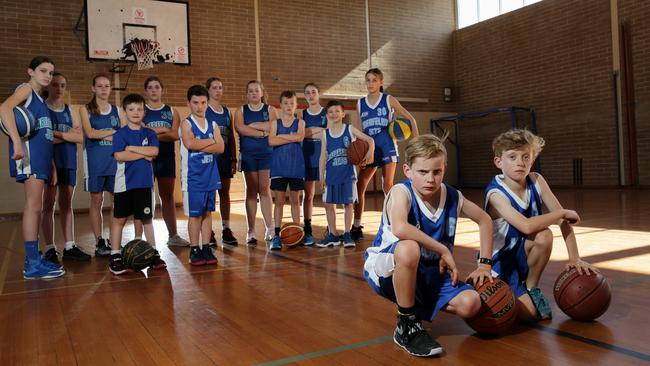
(487,261)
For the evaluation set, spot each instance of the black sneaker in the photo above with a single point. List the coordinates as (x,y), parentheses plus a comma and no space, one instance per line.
(75,254)
(356,232)
(227,237)
(52,256)
(208,255)
(213,239)
(410,335)
(116,266)
(157,262)
(102,249)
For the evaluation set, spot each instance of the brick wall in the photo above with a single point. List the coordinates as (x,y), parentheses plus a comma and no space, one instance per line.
(555,56)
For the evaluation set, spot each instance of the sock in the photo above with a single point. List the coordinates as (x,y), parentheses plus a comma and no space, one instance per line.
(69,245)
(137,238)
(277,231)
(49,246)
(31,250)
(406,311)
(307,224)
(225,223)
(357,222)
(200,246)
(115,252)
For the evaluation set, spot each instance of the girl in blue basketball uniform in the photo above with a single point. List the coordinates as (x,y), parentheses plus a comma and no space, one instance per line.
(30,161)
(337,175)
(67,134)
(253,123)
(227,161)
(287,162)
(375,113)
(411,262)
(164,120)
(99,120)
(315,117)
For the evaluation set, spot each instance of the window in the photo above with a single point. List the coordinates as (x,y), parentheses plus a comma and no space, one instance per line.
(474,11)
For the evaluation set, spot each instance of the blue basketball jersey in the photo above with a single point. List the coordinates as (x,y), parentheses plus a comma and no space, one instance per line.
(287,160)
(257,147)
(506,236)
(65,153)
(161,117)
(38,149)
(98,154)
(338,168)
(136,173)
(375,120)
(311,147)
(199,171)
(222,119)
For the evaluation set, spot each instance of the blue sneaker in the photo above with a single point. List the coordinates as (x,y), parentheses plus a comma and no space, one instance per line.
(276,244)
(40,268)
(348,242)
(309,240)
(329,239)
(541,304)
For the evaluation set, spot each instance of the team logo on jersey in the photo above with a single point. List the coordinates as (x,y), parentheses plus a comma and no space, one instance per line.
(266,116)
(115,122)
(145,142)
(147,210)
(346,141)
(451,225)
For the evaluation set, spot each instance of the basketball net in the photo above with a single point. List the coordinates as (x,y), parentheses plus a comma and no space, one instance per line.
(145,51)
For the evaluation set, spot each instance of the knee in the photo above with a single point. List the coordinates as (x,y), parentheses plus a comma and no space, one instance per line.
(407,254)
(544,239)
(469,303)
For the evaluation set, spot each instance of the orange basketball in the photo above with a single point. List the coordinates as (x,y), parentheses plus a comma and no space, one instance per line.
(291,234)
(582,297)
(498,308)
(357,151)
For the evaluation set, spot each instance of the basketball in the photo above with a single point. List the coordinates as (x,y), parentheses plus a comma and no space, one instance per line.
(400,129)
(291,234)
(357,151)
(138,254)
(25,122)
(582,297)
(498,308)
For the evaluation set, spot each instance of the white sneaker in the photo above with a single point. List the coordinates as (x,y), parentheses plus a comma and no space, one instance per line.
(270,233)
(177,241)
(251,239)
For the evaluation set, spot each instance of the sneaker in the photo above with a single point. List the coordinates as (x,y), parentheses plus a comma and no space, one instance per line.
(196,256)
(329,239)
(227,237)
(177,241)
(309,240)
(116,266)
(410,335)
(208,255)
(276,244)
(41,268)
(251,239)
(102,249)
(213,240)
(270,234)
(347,240)
(157,262)
(75,254)
(52,256)
(541,304)
(357,233)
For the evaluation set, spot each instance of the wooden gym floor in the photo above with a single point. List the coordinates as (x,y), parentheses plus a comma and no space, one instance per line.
(310,306)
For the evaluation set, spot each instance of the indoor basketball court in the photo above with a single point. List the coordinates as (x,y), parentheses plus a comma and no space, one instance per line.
(574,73)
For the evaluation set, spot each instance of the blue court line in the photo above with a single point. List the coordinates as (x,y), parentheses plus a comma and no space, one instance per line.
(595,343)
(326,352)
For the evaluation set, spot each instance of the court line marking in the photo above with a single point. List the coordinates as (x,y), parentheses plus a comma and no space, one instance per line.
(5,262)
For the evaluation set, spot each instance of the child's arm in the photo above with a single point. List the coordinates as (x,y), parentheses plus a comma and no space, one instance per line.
(218,145)
(274,140)
(476,214)
(7,115)
(313,132)
(149,151)
(75,134)
(266,125)
(370,155)
(169,134)
(398,206)
(396,105)
(246,130)
(552,204)
(192,143)
(90,132)
(121,151)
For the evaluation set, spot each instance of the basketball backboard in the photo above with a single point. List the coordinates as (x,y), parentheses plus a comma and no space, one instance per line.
(112,24)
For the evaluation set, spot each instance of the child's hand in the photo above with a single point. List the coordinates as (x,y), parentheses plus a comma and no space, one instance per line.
(18,151)
(447,263)
(582,267)
(482,273)
(571,216)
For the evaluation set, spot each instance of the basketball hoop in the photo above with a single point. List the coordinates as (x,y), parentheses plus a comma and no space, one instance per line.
(145,51)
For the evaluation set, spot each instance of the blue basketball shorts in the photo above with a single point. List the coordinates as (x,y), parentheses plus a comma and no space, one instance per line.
(312,174)
(342,193)
(511,266)
(66,177)
(384,155)
(102,183)
(254,164)
(197,203)
(224,164)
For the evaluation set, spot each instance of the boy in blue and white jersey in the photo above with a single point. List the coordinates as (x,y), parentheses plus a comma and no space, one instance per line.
(134,147)
(522,239)
(201,143)
(411,262)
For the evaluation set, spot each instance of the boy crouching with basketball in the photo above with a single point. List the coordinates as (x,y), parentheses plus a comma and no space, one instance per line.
(134,147)
(411,262)
(522,239)
(337,175)
(200,143)
(287,162)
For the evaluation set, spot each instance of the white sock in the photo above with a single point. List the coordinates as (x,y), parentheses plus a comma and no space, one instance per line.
(225,223)
(115,252)
(49,246)
(357,222)
(137,238)
(69,245)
